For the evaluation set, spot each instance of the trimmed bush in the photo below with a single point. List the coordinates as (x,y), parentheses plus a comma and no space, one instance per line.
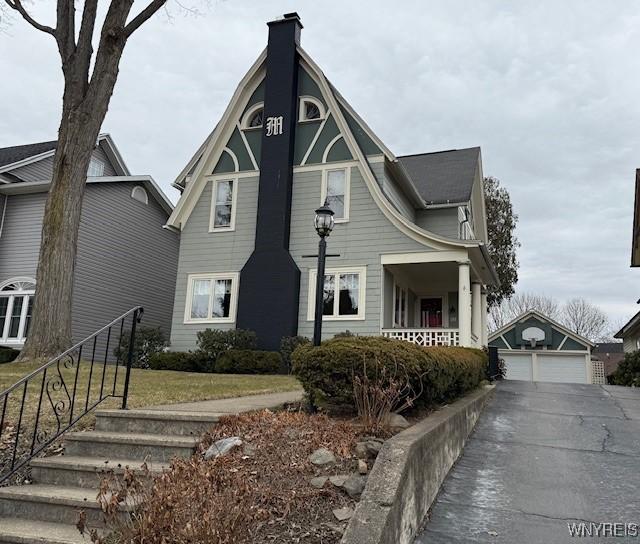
(214,342)
(288,345)
(179,361)
(8,354)
(439,373)
(246,361)
(628,371)
(148,341)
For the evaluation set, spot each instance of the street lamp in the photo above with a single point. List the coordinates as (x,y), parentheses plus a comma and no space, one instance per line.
(323,223)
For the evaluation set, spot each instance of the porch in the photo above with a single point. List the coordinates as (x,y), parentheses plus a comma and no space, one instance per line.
(434,300)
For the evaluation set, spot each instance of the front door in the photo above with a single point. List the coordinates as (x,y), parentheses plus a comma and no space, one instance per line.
(431,313)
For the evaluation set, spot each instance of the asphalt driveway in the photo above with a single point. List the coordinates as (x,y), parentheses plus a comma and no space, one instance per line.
(542,456)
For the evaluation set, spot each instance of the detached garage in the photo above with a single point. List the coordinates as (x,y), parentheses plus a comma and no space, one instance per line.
(536,348)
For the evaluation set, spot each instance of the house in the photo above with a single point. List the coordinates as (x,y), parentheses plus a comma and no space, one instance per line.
(536,348)
(610,353)
(125,258)
(630,334)
(408,256)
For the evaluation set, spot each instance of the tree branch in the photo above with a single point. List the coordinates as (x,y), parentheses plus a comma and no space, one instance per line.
(65,29)
(17,5)
(143,16)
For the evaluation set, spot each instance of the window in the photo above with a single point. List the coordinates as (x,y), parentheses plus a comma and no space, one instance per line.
(16,306)
(400,306)
(211,298)
(335,191)
(311,109)
(254,117)
(223,205)
(138,193)
(343,294)
(96,168)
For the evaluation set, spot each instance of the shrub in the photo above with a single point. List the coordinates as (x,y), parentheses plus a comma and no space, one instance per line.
(8,354)
(288,345)
(628,371)
(148,341)
(179,361)
(246,361)
(344,334)
(327,372)
(214,342)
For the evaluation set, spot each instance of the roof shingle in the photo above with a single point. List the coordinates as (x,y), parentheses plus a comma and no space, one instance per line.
(9,155)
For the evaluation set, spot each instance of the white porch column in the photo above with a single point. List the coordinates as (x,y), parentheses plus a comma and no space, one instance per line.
(476,309)
(464,303)
(485,331)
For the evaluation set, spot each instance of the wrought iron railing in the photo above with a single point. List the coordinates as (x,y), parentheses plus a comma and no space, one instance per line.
(40,407)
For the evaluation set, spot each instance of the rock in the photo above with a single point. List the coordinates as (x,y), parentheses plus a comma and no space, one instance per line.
(362,467)
(222,447)
(338,480)
(373,447)
(354,485)
(361,450)
(319,482)
(396,421)
(322,456)
(343,514)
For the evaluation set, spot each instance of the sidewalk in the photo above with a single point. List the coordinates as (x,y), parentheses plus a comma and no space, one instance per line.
(236,405)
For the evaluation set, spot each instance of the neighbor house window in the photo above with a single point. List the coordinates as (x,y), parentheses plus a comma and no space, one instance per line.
(16,306)
(211,298)
(311,109)
(335,191)
(254,117)
(223,205)
(343,294)
(96,168)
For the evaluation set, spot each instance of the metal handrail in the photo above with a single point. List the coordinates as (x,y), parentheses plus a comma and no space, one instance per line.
(55,398)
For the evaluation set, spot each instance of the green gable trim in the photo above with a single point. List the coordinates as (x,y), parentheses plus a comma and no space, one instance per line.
(305,133)
(573,345)
(254,139)
(510,337)
(557,337)
(533,322)
(329,132)
(308,87)
(236,144)
(256,97)
(367,145)
(498,343)
(225,164)
(339,152)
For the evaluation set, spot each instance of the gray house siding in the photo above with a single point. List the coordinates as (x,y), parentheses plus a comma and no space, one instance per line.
(21,232)
(125,258)
(203,251)
(442,221)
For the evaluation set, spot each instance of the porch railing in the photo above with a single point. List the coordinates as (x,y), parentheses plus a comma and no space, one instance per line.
(40,407)
(425,337)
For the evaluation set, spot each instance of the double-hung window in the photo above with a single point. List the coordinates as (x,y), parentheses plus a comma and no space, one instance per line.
(343,296)
(96,168)
(223,205)
(335,191)
(212,298)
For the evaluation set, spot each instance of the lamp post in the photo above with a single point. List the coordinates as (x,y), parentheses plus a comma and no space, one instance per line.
(323,223)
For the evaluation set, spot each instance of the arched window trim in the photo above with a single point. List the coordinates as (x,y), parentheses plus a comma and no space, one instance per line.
(14,325)
(246,118)
(142,197)
(302,111)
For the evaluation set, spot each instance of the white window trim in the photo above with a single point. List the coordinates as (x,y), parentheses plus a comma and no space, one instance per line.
(234,199)
(347,191)
(28,294)
(249,114)
(360,316)
(233,304)
(137,189)
(95,160)
(313,100)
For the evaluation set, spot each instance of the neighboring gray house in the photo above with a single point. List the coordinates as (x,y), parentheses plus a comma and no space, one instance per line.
(630,334)
(410,231)
(125,257)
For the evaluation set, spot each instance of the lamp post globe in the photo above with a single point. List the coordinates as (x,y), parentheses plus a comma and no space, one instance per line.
(323,221)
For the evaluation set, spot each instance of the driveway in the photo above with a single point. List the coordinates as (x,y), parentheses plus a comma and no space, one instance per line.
(542,456)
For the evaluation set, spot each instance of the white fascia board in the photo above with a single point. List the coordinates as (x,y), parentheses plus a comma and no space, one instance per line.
(27,161)
(114,151)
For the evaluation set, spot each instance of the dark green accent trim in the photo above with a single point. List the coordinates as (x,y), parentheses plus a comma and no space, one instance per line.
(254,139)
(257,96)
(237,146)
(339,152)
(308,87)
(329,132)
(305,132)
(573,345)
(225,164)
(533,322)
(556,338)
(510,336)
(498,343)
(367,145)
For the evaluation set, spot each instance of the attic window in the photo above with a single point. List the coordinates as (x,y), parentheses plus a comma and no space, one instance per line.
(138,193)
(254,117)
(311,109)
(96,168)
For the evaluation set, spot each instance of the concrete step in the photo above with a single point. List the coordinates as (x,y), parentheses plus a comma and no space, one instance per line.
(21,531)
(76,471)
(51,503)
(155,422)
(153,447)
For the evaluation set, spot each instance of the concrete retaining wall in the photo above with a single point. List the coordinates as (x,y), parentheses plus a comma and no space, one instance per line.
(408,472)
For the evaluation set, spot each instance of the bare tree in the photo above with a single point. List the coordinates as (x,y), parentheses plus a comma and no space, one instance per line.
(88,85)
(584,318)
(518,304)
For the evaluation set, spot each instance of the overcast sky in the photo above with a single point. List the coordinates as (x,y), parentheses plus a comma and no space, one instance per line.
(549,90)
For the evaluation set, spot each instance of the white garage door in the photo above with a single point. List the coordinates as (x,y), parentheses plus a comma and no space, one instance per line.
(518,366)
(561,368)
